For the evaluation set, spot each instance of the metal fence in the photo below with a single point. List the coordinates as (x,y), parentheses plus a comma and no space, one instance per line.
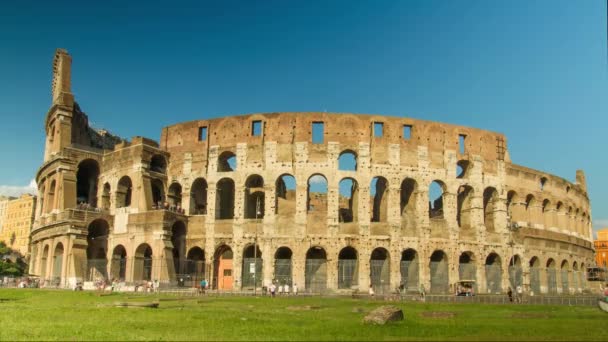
(535,280)
(494,278)
(551,280)
(468,271)
(347,273)
(439,277)
(409,275)
(315,276)
(515,276)
(380,276)
(252,272)
(282,271)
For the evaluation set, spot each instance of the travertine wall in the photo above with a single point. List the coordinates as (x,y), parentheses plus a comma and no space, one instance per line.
(479,204)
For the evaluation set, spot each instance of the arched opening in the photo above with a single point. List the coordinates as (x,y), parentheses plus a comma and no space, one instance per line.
(57,265)
(158,164)
(158,194)
(463,210)
(348,201)
(86,183)
(198,197)
(41,198)
(530,204)
(534,276)
(254,197)
(348,268)
(142,263)
(575,277)
(565,275)
(436,190)
(174,197)
(511,202)
(467,269)
(380,270)
(226,162)
(43,263)
(315,273)
(123,192)
(285,196)
(224,199)
(490,205)
(378,191)
(195,268)
(51,197)
(223,278)
(493,273)
(440,281)
(178,239)
(462,168)
(97,247)
(119,263)
(252,267)
(515,272)
(409,270)
(106,201)
(317,194)
(347,161)
(408,199)
(543,182)
(551,276)
(282,266)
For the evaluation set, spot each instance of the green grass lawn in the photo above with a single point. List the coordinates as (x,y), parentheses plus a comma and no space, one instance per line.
(64,315)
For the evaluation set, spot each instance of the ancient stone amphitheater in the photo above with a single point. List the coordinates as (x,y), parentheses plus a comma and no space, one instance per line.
(330,202)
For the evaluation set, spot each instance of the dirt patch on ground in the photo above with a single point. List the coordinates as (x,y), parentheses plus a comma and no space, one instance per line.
(303,308)
(530,315)
(438,314)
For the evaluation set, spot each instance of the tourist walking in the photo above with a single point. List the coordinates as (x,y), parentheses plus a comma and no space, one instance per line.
(371,291)
(286,289)
(295,289)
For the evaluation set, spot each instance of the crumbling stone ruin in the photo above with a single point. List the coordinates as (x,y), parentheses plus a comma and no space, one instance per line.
(327,202)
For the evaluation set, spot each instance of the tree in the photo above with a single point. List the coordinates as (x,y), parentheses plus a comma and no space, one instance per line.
(7,266)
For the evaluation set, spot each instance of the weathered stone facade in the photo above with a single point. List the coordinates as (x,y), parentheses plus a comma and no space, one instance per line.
(195,203)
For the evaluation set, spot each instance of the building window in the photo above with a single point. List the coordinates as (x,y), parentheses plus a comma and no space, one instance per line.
(318,131)
(256,128)
(407,132)
(378,129)
(461,145)
(202,133)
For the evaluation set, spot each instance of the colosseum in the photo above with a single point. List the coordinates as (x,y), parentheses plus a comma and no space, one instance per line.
(330,202)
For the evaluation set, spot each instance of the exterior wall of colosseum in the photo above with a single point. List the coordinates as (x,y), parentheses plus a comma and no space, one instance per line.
(193,205)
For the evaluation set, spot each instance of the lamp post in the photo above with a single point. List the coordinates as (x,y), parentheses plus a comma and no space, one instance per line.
(255,246)
(512,227)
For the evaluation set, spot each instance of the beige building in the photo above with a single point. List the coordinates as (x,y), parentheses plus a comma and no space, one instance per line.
(330,202)
(3,204)
(17,221)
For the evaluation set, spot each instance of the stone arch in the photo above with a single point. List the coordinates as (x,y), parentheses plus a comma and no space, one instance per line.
(87,176)
(560,210)
(348,201)
(224,199)
(57,264)
(174,196)
(410,268)
(254,197)
(437,189)
(285,195)
(535,268)
(252,260)
(348,268)
(315,275)
(463,211)
(124,192)
(179,232)
(42,197)
(51,196)
(576,277)
(380,271)
(493,273)
(347,161)
(490,207)
(515,272)
(317,194)
(198,197)
(409,190)
(379,192)
(223,278)
(195,264)
(97,248)
(467,269)
(512,210)
(43,262)
(546,213)
(158,163)
(226,162)
(530,208)
(551,276)
(142,263)
(438,266)
(565,275)
(283,265)
(119,263)
(158,193)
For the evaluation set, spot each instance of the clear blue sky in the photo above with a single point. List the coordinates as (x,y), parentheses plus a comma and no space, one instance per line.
(533,70)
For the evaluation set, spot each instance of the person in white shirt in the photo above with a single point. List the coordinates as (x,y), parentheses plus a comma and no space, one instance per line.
(280,290)
(286,289)
(295,289)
